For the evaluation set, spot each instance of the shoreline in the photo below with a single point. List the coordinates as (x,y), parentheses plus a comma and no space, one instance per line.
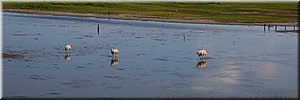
(142,18)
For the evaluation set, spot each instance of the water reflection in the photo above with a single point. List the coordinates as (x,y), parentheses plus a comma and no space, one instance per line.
(68,56)
(184,37)
(201,64)
(114,61)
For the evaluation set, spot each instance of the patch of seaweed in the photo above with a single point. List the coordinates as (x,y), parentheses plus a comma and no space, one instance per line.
(12,56)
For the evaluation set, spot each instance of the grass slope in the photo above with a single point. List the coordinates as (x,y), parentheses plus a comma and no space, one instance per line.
(282,12)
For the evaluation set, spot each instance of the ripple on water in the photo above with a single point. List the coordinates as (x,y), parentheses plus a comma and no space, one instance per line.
(29,66)
(20,34)
(54,68)
(36,34)
(79,84)
(181,61)
(138,37)
(140,54)
(40,77)
(158,39)
(161,59)
(80,67)
(87,36)
(90,63)
(54,93)
(63,26)
(121,69)
(78,38)
(19,31)
(162,70)
(114,77)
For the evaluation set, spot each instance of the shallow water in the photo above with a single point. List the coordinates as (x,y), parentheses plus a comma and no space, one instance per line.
(157,59)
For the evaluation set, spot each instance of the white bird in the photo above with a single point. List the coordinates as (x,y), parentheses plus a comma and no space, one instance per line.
(68,46)
(114,51)
(201,53)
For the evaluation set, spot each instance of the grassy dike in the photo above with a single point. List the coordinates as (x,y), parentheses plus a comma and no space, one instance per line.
(243,12)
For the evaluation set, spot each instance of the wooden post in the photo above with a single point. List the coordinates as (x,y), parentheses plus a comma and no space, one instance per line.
(269,27)
(98,29)
(294,28)
(275,28)
(264,27)
(284,28)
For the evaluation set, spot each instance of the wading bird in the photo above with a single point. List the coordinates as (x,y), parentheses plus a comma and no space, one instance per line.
(114,52)
(68,47)
(201,53)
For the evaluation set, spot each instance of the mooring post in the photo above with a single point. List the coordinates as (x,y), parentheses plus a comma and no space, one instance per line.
(275,28)
(264,27)
(269,27)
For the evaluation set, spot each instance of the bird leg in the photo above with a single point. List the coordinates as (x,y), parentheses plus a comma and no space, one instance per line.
(199,58)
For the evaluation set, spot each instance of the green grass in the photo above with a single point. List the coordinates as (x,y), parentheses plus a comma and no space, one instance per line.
(223,12)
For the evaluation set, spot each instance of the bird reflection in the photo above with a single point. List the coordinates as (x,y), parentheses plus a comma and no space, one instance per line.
(114,61)
(68,56)
(201,63)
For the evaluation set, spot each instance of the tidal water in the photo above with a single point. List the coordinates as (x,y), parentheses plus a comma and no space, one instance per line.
(156,59)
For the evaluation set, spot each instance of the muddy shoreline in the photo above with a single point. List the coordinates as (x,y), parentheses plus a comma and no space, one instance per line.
(143,18)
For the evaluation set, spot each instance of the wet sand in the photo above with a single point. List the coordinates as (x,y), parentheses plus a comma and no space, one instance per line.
(139,17)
